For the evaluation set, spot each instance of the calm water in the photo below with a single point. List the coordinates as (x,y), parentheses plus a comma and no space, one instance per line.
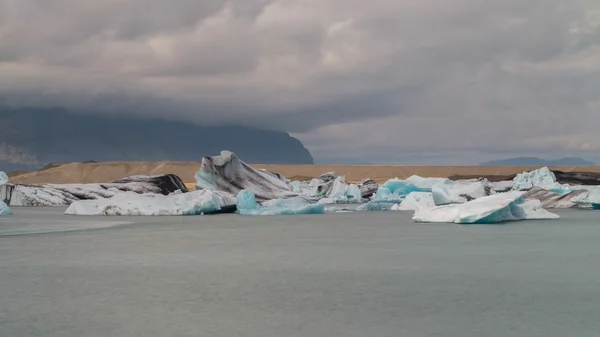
(360,274)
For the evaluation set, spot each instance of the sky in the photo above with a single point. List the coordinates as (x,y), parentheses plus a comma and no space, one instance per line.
(383,81)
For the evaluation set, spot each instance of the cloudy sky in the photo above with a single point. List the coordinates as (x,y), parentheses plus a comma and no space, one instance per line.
(411,81)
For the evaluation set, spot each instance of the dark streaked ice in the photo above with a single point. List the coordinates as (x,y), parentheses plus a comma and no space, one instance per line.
(350,274)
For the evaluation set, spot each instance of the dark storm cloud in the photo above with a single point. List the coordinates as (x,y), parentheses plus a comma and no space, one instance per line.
(373,77)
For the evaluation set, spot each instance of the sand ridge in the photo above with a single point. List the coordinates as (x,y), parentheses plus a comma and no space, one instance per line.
(109,171)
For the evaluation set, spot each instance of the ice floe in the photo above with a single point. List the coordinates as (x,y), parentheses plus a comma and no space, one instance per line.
(509,206)
(227,173)
(247,205)
(129,203)
(551,199)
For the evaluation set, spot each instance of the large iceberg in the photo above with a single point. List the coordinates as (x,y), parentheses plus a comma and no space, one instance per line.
(247,205)
(3,178)
(495,208)
(459,192)
(50,195)
(229,174)
(4,209)
(129,203)
(415,201)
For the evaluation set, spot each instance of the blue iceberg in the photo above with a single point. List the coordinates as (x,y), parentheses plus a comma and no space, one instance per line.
(247,205)
(3,178)
(4,209)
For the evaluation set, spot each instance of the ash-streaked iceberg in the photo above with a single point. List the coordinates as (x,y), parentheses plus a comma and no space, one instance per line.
(52,195)
(3,178)
(4,209)
(551,199)
(133,204)
(247,205)
(459,192)
(415,201)
(590,199)
(509,206)
(227,173)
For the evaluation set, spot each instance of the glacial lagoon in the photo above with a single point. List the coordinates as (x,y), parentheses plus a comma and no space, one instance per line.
(347,274)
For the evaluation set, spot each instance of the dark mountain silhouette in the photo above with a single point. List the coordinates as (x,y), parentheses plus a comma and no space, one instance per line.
(31,138)
(533,161)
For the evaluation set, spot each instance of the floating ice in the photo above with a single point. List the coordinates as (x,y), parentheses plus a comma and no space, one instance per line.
(543,178)
(459,192)
(4,209)
(415,201)
(247,205)
(496,208)
(502,186)
(425,183)
(129,203)
(591,198)
(394,190)
(228,174)
(3,178)
(551,199)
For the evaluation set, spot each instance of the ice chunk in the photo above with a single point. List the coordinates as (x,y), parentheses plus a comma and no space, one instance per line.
(344,193)
(590,197)
(129,203)
(3,178)
(228,174)
(368,187)
(543,178)
(458,192)
(394,190)
(415,201)
(376,206)
(490,209)
(556,200)
(4,209)
(247,205)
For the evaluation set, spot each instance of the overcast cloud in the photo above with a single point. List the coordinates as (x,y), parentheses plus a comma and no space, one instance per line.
(416,81)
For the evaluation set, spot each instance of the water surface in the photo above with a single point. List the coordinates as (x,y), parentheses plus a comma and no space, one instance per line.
(350,274)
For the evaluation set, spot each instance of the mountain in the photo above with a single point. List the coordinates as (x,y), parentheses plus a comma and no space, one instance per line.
(32,137)
(533,161)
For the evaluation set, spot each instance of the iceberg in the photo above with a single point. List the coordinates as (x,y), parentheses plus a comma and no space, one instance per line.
(509,206)
(394,190)
(4,209)
(591,198)
(415,201)
(3,178)
(227,173)
(344,193)
(368,187)
(425,183)
(459,192)
(132,204)
(502,186)
(551,199)
(247,205)
(543,178)
(52,195)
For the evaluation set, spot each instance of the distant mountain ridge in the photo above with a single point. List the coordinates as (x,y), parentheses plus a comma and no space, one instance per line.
(534,161)
(31,138)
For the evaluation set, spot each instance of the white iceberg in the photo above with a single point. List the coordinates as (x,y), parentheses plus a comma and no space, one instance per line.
(459,192)
(247,205)
(4,209)
(502,186)
(425,183)
(3,178)
(415,201)
(129,203)
(543,178)
(509,206)
(229,174)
